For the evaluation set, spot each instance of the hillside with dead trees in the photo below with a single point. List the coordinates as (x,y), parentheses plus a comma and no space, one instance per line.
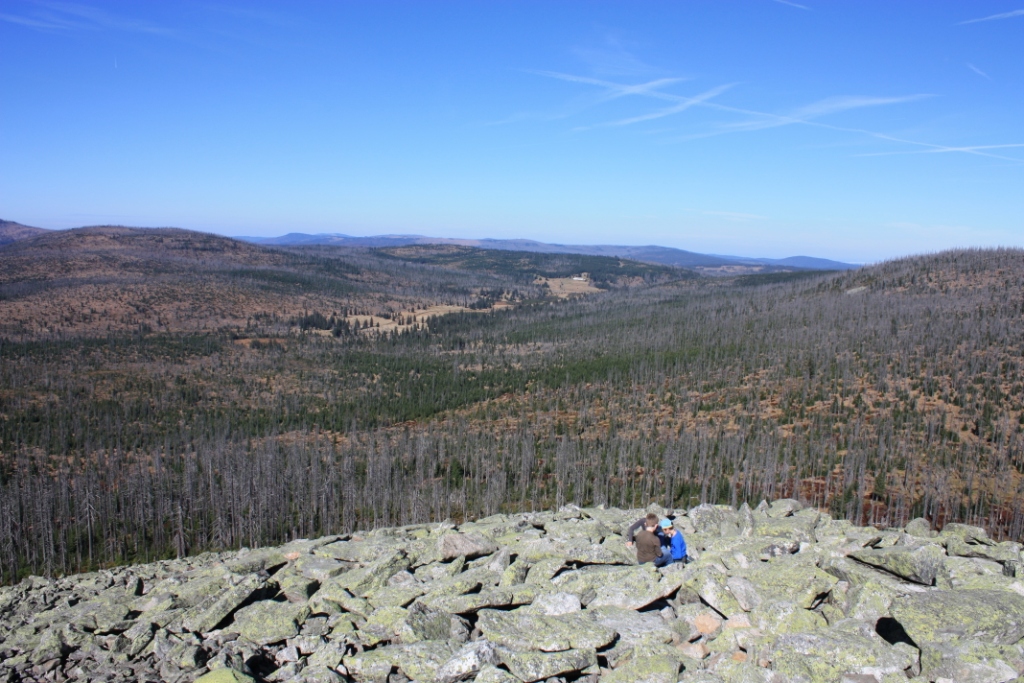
(165,392)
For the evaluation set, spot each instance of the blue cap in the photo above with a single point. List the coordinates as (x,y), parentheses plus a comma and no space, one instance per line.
(666,523)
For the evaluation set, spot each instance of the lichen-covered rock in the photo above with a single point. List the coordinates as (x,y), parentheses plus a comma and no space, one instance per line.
(538,666)
(318,568)
(492,674)
(515,573)
(711,584)
(634,629)
(453,545)
(225,676)
(658,669)
(253,561)
(473,602)
(736,554)
(991,616)
(361,581)
(395,596)
(424,623)
(519,630)
(587,582)
(460,584)
(829,655)
(574,530)
(333,596)
(360,551)
(972,572)
(267,621)
(799,527)
(418,661)
(921,564)
(295,587)
(470,659)
(637,589)
(745,592)
(785,617)
(552,604)
(382,624)
(544,569)
(783,507)
(789,578)
(868,592)
(1001,552)
(709,518)
(966,533)
(969,661)
(210,612)
(739,670)
(921,528)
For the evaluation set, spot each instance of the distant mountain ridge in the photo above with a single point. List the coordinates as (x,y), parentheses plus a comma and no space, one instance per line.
(11,231)
(650,253)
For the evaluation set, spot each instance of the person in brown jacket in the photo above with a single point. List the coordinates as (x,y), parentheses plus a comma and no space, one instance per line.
(640,525)
(648,543)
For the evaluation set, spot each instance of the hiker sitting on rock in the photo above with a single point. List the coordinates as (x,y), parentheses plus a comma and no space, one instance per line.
(650,520)
(648,541)
(675,549)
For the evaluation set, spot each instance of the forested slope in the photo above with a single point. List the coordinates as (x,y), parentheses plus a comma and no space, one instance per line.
(880,394)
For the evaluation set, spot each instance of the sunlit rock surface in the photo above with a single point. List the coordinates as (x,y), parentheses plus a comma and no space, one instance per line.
(776,594)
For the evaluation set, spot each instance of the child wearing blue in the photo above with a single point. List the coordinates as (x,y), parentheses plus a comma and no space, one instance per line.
(675,549)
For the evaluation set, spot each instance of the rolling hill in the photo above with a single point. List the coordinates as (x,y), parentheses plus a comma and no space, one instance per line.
(112,279)
(12,232)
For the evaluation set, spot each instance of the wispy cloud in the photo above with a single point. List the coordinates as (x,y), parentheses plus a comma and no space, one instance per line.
(69,16)
(978,150)
(939,149)
(613,90)
(978,71)
(681,107)
(833,105)
(1004,15)
(766,120)
(805,115)
(610,91)
(44,23)
(793,4)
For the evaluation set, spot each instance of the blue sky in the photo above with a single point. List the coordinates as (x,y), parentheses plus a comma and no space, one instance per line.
(850,130)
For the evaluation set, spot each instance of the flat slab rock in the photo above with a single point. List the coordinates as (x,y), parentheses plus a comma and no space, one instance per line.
(777,593)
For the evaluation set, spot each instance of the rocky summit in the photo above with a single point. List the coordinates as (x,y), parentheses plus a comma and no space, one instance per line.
(776,594)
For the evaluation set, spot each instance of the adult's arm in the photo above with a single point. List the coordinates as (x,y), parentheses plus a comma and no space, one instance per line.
(633,528)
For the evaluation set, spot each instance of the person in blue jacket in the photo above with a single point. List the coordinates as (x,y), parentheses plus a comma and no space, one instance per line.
(675,550)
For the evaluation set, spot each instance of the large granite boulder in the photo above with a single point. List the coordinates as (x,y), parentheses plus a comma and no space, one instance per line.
(268,621)
(830,655)
(452,545)
(918,564)
(517,630)
(991,616)
(418,661)
(529,666)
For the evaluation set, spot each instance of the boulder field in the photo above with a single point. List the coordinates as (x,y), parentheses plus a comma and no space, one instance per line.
(776,594)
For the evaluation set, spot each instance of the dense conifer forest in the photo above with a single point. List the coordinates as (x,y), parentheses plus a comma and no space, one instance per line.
(166,397)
